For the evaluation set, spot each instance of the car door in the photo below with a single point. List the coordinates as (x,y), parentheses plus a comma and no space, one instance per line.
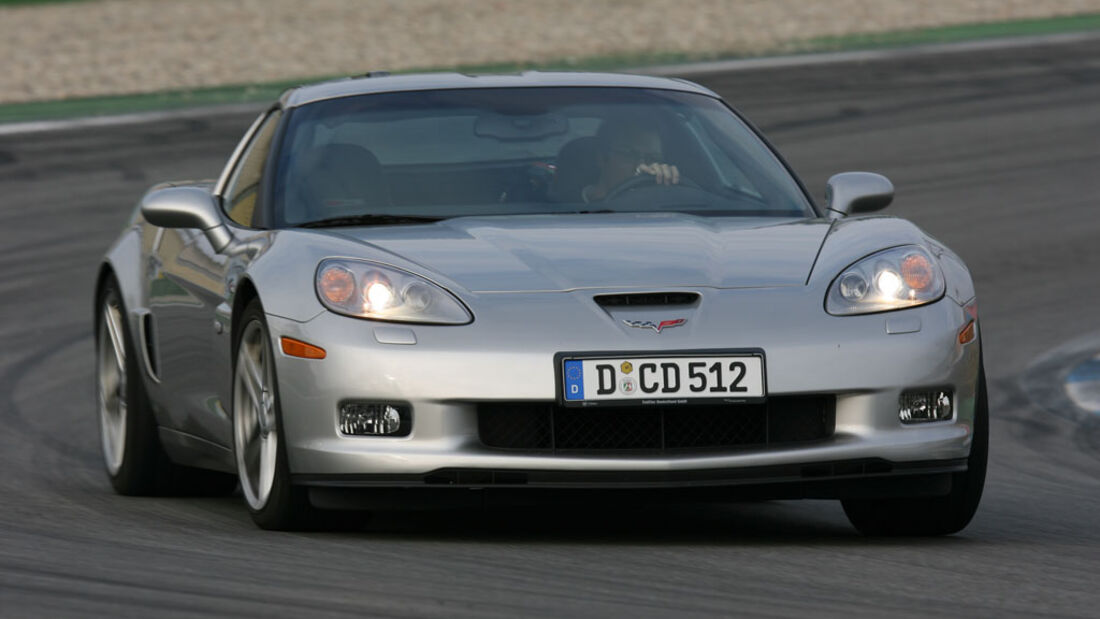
(189,295)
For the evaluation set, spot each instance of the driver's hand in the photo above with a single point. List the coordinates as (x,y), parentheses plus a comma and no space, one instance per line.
(663,173)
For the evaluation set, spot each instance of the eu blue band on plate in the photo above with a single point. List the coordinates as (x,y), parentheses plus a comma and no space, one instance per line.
(574,380)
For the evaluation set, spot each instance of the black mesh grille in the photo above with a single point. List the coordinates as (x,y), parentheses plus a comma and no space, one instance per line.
(610,429)
(716,427)
(647,298)
(503,426)
(546,426)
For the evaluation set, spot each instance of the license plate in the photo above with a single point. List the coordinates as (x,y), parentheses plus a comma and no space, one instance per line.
(662,379)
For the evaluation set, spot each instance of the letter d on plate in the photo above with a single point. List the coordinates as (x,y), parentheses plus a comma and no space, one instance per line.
(606,373)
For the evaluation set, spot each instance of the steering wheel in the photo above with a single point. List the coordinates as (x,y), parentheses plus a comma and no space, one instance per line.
(646,181)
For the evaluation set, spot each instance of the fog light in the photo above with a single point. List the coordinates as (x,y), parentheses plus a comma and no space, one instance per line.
(920,406)
(360,419)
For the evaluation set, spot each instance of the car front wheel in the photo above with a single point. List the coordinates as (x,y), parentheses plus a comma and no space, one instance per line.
(258,443)
(941,515)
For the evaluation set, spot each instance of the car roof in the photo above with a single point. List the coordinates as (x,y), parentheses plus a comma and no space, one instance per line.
(372,84)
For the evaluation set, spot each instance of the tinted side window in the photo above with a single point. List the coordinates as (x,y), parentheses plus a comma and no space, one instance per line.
(244,185)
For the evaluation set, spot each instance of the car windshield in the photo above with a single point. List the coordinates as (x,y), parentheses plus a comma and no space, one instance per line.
(416,156)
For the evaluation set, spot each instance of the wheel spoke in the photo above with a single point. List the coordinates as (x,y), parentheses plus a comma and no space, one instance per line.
(114,330)
(113,429)
(267,462)
(251,368)
(250,380)
(267,412)
(108,388)
(252,433)
(111,383)
(260,367)
(253,381)
(267,403)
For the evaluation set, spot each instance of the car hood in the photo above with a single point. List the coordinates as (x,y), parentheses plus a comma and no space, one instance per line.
(642,250)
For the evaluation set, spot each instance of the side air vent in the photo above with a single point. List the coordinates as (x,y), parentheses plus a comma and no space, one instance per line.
(148,346)
(648,298)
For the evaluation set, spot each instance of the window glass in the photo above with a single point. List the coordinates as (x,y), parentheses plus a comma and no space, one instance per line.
(243,188)
(453,138)
(500,151)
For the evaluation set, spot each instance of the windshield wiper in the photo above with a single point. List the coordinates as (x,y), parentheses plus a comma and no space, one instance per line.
(374,219)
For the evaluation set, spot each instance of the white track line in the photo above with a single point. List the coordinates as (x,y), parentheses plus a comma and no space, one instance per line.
(931,49)
(692,68)
(129,119)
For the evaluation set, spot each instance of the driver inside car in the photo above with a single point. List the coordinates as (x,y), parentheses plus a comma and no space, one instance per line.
(628,150)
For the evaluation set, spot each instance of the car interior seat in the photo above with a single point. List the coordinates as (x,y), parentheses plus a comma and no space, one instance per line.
(336,180)
(577,167)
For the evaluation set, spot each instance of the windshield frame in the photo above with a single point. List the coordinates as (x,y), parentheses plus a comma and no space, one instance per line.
(271,218)
(814,206)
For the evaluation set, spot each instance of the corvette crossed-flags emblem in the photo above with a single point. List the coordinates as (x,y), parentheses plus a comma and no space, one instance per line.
(656,326)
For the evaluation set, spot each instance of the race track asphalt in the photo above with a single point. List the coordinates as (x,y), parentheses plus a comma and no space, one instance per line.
(997,153)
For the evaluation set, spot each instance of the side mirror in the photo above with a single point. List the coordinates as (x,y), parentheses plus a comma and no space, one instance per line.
(857,192)
(187,207)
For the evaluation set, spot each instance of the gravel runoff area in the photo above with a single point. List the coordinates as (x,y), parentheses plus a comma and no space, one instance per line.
(106,47)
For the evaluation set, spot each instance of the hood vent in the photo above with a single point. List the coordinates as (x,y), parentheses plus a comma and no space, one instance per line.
(650,299)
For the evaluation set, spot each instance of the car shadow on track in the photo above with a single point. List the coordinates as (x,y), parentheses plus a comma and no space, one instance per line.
(770,523)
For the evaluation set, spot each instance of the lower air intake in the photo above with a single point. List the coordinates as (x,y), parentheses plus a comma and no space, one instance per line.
(548,427)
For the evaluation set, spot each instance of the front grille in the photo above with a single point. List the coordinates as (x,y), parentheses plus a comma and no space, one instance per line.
(544,426)
(647,298)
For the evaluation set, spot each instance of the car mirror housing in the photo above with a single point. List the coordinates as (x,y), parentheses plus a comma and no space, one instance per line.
(857,192)
(187,207)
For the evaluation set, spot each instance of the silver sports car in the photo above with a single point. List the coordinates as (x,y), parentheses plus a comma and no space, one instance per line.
(585,285)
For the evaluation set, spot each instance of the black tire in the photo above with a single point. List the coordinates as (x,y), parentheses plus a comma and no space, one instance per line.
(145,469)
(932,515)
(287,507)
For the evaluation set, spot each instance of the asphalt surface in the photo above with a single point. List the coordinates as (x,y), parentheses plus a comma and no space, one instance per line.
(996,153)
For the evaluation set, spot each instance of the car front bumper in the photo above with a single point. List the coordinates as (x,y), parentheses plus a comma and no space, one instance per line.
(507,355)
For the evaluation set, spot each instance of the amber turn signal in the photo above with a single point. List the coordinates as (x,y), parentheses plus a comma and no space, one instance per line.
(916,271)
(297,348)
(967,334)
(337,284)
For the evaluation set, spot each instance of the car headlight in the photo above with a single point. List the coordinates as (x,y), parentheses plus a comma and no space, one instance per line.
(369,290)
(892,279)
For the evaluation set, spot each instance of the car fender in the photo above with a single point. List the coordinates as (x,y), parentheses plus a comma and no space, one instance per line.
(283,272)
(854,238)
(124,261)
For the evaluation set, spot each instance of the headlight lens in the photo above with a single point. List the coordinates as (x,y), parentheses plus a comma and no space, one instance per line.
(369,290)
(893,279)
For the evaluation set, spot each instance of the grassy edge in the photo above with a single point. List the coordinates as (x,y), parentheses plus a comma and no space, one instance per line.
(256,93)
(14,3)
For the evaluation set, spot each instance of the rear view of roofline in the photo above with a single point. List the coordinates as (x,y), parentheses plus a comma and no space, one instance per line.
(452,81)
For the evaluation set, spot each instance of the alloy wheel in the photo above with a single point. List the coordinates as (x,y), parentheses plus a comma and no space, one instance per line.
(255,431)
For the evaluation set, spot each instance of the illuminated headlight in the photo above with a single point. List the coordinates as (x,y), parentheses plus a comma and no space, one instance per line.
(896,278)
(921,406)
(369,290)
